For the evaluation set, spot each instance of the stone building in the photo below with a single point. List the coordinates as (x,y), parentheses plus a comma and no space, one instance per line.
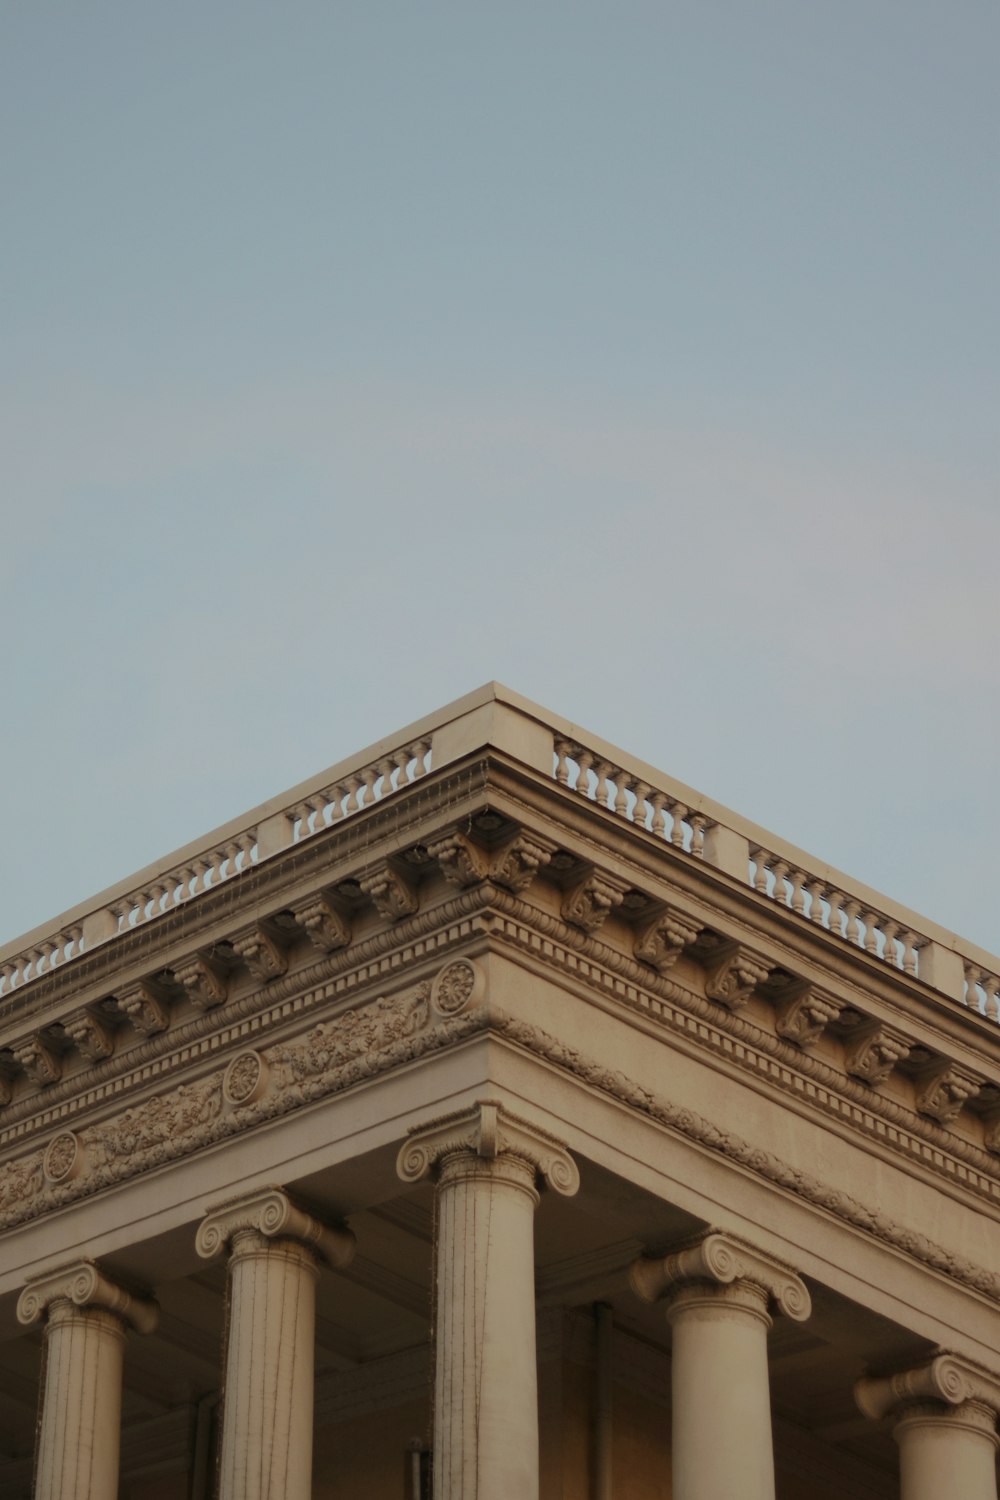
(494,1117)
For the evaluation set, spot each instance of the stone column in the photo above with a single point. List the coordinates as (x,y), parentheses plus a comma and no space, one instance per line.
(944,1415)
(275,1251)
(86,1319)
(488,1166)
(719,1292)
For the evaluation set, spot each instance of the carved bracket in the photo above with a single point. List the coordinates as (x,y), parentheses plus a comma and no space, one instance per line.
(205,983)
(39,1059)
(733,974)
(516,865)
(461,861)
(488,1131)
(263,952)
(146,1006)
(84,1285)
(92,1034)
(943,1089)
(949,1378)
(873,1051)
(326,925)
(803,1012)
(393,895)
(588,903)
(664,939)
(723,1259)
(272,1213)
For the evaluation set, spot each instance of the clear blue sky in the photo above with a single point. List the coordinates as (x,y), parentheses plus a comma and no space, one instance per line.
(643,356)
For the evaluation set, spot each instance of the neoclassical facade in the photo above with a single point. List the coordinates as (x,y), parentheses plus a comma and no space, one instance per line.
(493,1118)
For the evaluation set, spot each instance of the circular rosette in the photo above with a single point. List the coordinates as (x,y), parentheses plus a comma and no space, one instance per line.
(245,1080)
(63,1158)
(460,986)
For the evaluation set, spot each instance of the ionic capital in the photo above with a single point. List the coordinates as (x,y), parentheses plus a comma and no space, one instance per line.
(947,1378)
(272,1214)
(487,1131)
(724,1260)
(83,1284)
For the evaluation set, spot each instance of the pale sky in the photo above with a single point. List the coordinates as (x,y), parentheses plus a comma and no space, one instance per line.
(642,356)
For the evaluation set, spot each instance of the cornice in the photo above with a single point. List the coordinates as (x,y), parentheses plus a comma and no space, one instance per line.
(362,1044)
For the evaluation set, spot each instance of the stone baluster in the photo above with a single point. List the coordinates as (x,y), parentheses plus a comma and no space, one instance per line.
(718,1293)
(944,1422)
(488,1165)
(86,1319)
(275,1251)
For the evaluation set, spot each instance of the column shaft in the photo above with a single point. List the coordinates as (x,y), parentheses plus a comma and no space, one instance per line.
(79,1436)
(947,1452)
(268,1399)
(485,1394)
(722,1445)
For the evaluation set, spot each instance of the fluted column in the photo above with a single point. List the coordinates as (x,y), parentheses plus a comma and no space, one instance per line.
(86,1319)
(275,1251)
(488,1166)
(719,1292)
(944,1415)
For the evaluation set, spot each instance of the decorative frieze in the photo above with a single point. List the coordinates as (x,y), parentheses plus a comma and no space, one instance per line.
(732,974)
(872,1051)
(664,939)
(587,904)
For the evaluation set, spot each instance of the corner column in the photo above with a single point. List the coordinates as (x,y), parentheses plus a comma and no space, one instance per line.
(86,1319)
(275,1252)
(488,1166)
(944,1423)
(719,1292)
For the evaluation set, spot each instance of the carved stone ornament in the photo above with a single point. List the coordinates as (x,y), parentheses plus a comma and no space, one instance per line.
(39,1060)
(84,1285)
(734,974)
(803,1013)
(516,865)
(488,1131)
(721,1258)
(662,942)
(459,986)
(948,1378)
(272,1214)
(92,1036)
(246,1079)
(392,895)
(588,903)
(63,1159)
(461,861)
(941,1092)
(146,1007)
(264,956)
(873,1051)
(327,927)
(206,984)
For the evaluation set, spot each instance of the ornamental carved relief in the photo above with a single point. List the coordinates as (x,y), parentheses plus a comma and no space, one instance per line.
(63,1157)
(804,1012)
(588,904)
(326,925)
(662,942)
(392,894)
(732,977)
(263,954)
(39,1060)
(516,865)
(873,1051)
(246,1079)
(460,860)
(942,1092)
(92,1036)
(459,986)
(146,1006)
(205,983)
